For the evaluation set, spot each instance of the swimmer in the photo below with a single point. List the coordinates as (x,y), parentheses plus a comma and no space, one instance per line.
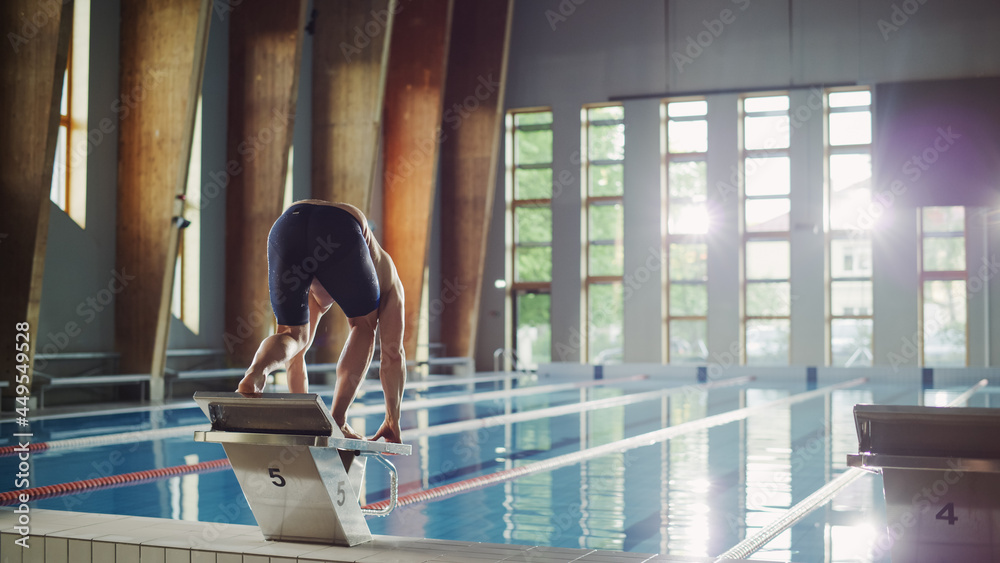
(320,253)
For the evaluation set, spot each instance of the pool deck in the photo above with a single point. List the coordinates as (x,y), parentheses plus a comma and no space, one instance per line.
(56,536)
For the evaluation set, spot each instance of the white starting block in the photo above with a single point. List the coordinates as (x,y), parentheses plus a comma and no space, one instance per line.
(941,476)
(300,475)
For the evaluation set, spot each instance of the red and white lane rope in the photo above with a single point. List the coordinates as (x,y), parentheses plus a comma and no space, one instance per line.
(646,439)
(360,410)
(649,438)
(73,487)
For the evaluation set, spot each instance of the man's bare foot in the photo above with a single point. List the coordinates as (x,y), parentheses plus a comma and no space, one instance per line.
(350,433)
(252,383)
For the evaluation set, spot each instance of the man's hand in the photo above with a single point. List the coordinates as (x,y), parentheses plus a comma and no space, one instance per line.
(389,431)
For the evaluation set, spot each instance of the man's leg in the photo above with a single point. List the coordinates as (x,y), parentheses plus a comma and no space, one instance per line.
(352,367)
(319,303)
(272,354)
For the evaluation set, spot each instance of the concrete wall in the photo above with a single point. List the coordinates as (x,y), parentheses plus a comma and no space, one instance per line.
(77,313)
(77,310)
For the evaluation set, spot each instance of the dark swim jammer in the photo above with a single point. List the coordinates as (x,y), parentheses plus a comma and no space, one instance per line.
(324,242)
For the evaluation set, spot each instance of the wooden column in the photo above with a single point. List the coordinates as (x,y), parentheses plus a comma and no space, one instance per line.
(162,57)
(471,127)
(265,49)
(412,123)
(32,64)
(350,49)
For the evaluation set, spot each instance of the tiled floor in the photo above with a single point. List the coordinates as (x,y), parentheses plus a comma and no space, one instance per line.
(75,537)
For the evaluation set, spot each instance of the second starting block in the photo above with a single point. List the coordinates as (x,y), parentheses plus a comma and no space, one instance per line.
(941,477)
(301,477)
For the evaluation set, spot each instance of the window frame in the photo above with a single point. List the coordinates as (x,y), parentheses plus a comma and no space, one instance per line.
(666,158)
(73,191)
(833,233)
(588,201)
(926,276)
(515,289)
(747,236)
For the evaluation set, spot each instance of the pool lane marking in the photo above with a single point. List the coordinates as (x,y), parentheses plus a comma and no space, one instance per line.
(103,440)
(62,489)
(479,423)
(361,410)
(821,496)
(617,446)
(373,386)
(73,487)
(415,404)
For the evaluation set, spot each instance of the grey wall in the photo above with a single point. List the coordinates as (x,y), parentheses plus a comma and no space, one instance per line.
(80,263)
(212,204)
(77,308)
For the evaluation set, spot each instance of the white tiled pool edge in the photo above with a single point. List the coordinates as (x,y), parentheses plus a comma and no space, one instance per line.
(56,536)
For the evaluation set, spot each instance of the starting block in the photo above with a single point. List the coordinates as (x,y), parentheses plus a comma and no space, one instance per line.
(940,470)
(301,477)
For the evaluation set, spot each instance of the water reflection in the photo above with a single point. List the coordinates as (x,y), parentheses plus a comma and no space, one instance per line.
(697,494)
(529,500)
(602,480)
(686,529)
(768,469)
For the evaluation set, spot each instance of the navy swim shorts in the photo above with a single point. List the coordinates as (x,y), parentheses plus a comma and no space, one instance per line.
(326,243)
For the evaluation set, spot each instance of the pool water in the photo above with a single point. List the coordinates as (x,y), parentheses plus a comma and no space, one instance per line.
(697,494)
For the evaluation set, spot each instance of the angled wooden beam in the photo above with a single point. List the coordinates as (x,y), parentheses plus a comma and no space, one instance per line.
(162,57)
(471,127)
(32,66)
(265,50)
(350,50)
(412,123)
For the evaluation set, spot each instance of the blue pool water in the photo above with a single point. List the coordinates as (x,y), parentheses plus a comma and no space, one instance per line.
(697,494)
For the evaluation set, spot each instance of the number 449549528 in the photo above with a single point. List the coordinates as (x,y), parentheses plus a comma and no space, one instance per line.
(22,345)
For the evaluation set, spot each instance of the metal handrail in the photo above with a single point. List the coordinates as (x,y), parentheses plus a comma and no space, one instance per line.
(505,353)
(393,489)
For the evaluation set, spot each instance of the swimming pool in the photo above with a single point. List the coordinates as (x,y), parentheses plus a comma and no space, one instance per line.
(696,494)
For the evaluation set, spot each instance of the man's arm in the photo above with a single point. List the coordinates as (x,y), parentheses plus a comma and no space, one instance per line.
(392,362)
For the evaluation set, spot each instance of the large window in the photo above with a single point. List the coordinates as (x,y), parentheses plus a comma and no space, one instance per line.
(186,300)
(765,226)
(60,168)
(69,168)
(685,172)
(529,202)
(943,279)
(849,193)
(604,189)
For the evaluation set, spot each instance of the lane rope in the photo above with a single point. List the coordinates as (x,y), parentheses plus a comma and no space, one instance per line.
(466,398)
(9,498)
(74,487)
(548,412)
(359,410)
(119,438)
(48,491)
(647,439)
